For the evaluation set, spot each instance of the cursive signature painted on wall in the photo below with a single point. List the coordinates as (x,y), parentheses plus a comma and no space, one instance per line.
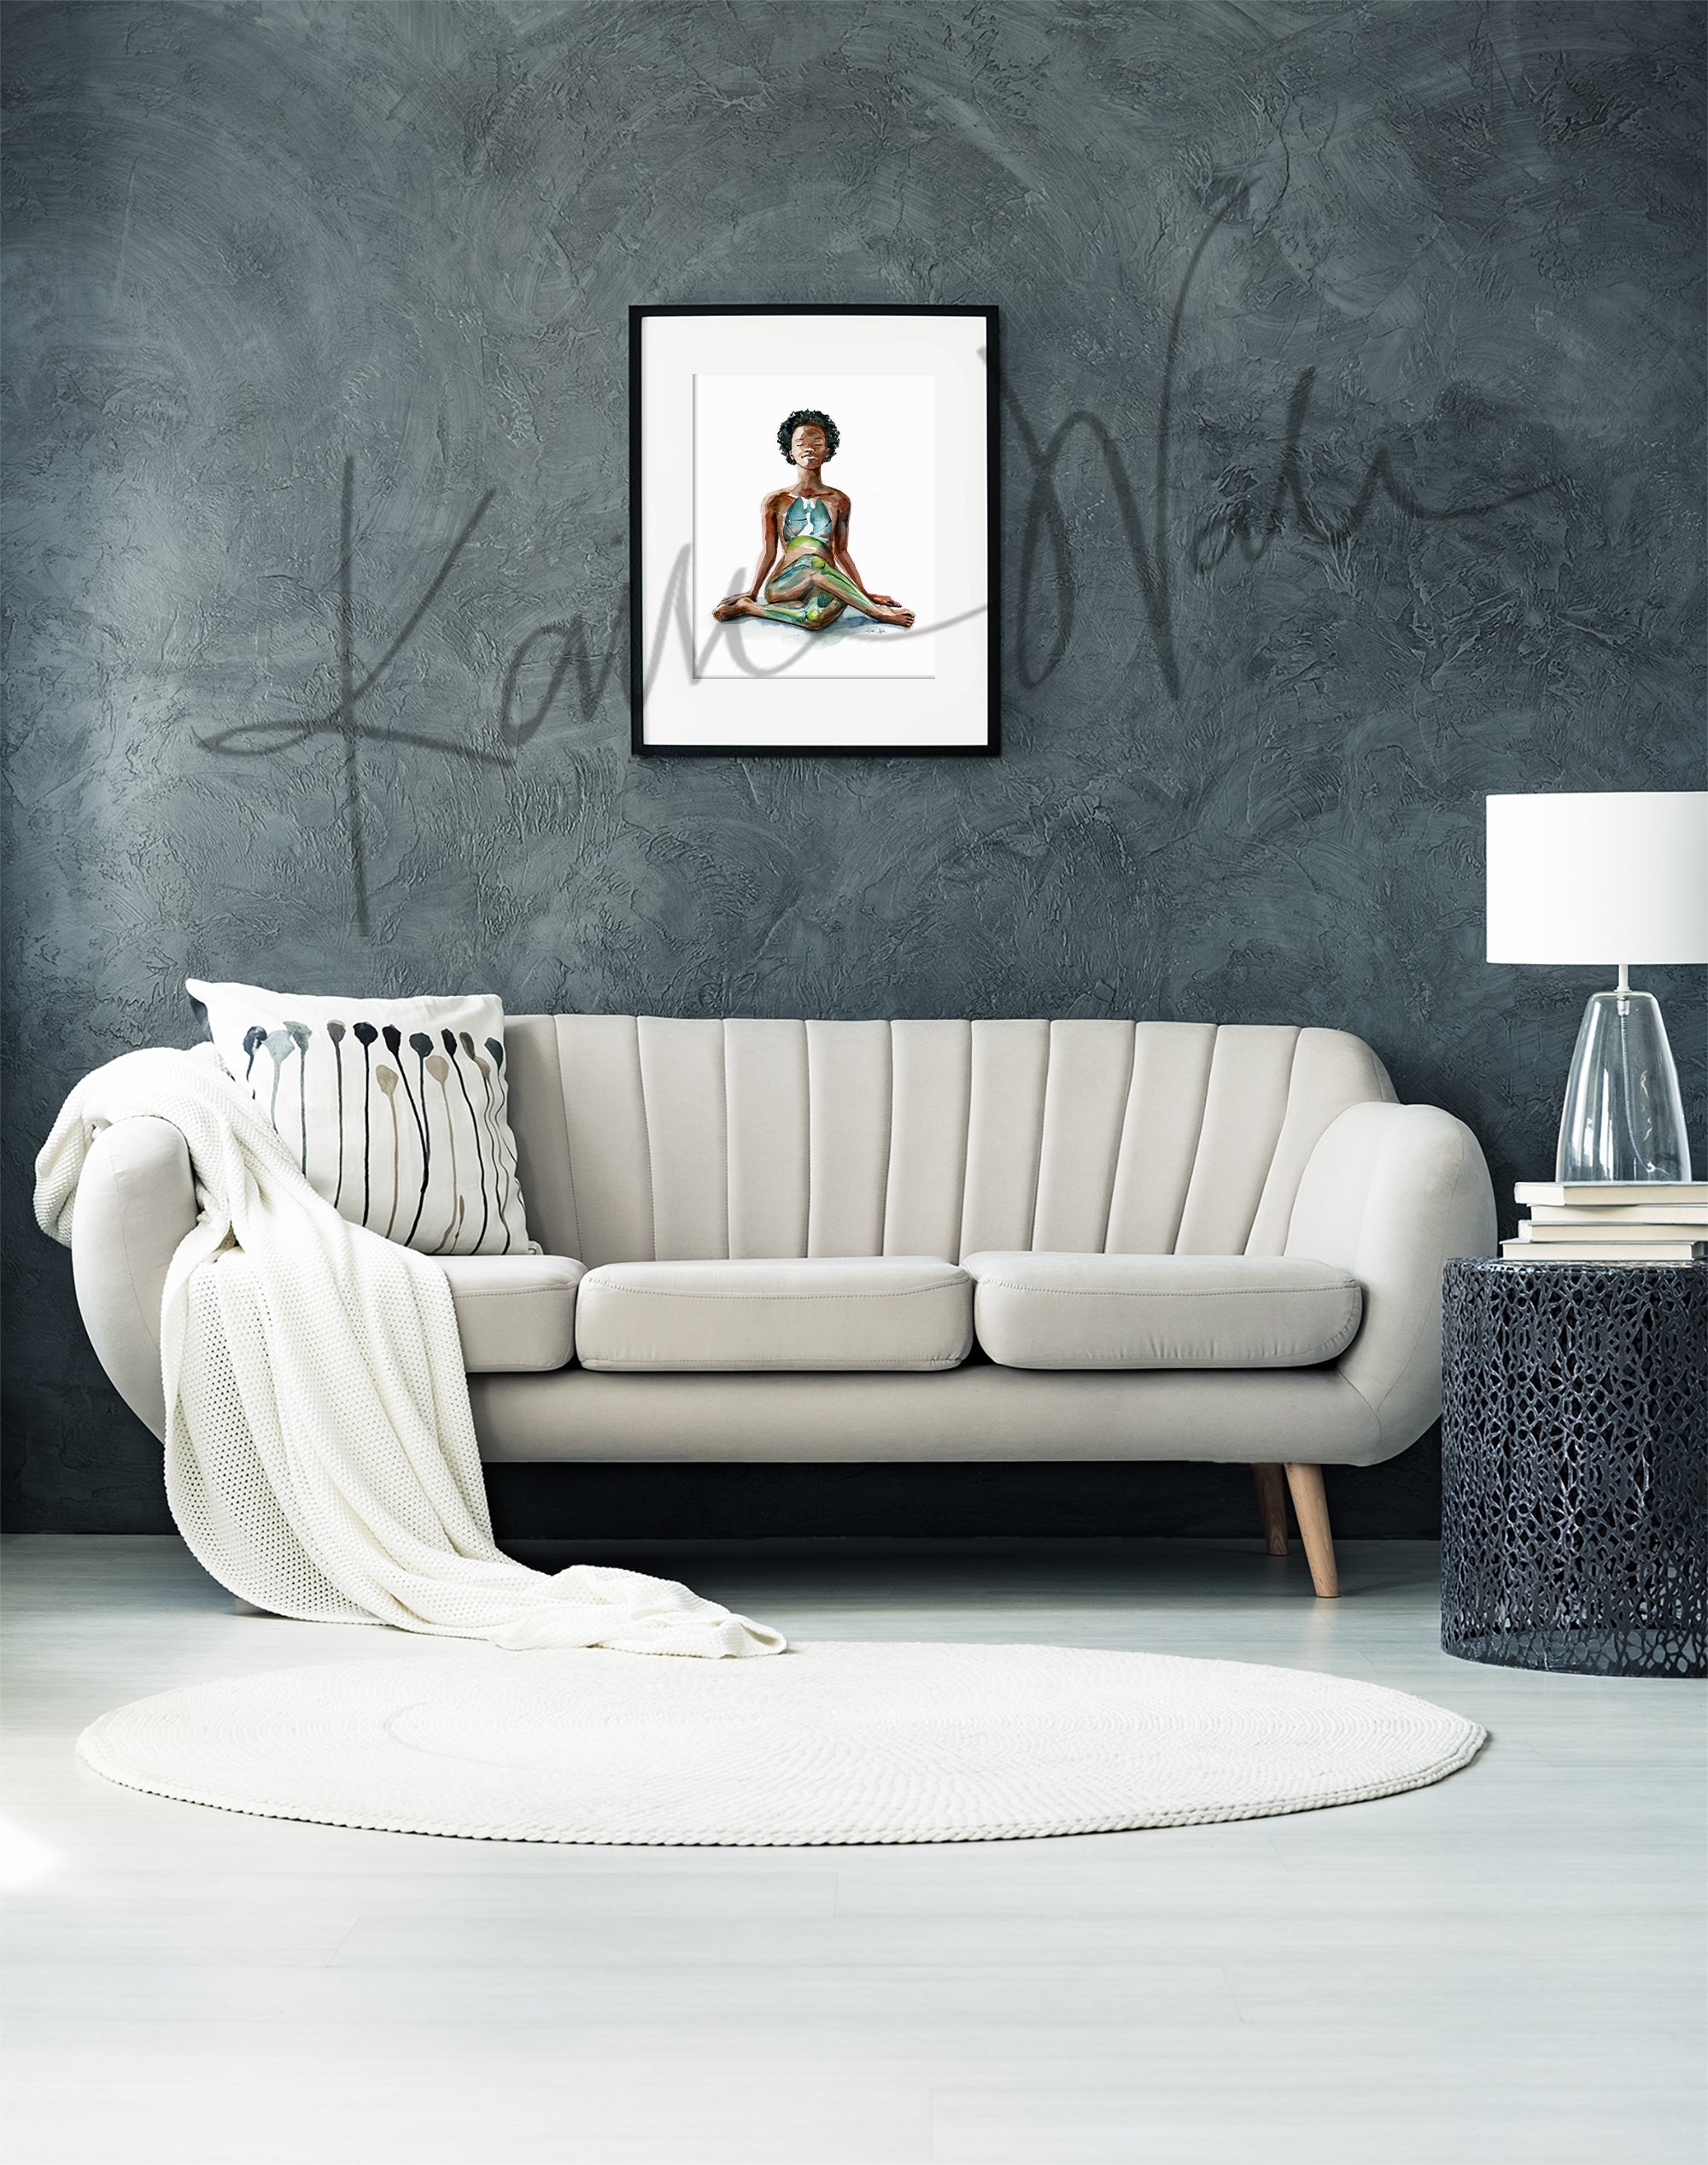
(1044,530)
(260,739)
(1047,580)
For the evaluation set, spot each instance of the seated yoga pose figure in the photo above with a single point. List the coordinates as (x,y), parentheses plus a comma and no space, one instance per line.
(807,525)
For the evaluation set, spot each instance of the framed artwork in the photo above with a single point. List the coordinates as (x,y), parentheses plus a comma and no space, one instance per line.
(813,531)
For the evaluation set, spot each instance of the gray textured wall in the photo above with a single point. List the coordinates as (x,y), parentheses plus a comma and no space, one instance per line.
(1451,253)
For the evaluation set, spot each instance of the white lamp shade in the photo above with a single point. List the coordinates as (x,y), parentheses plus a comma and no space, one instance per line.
(1605,877)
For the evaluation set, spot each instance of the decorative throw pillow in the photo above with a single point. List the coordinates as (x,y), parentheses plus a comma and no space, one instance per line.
(396,1109)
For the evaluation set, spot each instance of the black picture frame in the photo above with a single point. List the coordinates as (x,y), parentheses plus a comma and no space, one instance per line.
(639,643)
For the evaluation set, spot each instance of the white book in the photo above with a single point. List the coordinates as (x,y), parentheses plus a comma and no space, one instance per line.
(1629,1251)
(1650,1194)
(1579,1235)
(1606,1215)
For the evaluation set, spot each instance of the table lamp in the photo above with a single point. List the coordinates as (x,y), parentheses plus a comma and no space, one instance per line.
(1614,878)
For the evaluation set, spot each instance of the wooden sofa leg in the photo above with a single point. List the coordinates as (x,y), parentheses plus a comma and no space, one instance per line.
(1271,1505)
(1310,1507)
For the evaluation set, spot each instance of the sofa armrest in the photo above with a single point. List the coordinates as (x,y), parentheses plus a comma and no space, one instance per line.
(136,1201)
(1390,1193)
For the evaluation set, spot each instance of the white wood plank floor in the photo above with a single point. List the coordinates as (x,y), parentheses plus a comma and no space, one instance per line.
(1508,1966)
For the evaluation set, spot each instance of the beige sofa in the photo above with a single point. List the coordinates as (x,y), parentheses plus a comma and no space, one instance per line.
(790,1240)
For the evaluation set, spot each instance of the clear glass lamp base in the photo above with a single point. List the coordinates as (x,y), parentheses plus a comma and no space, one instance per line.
(1624,1117)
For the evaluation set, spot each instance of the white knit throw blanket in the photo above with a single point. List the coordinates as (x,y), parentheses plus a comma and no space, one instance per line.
(320,1454)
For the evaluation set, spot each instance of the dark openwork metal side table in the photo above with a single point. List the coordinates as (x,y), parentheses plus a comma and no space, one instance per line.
(1575,1466)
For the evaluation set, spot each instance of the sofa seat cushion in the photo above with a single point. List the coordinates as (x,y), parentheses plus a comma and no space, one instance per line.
(1069,1311)
(860,1312)
(513,1312)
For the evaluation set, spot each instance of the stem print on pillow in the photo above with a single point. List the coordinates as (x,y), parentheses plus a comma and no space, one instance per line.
(396,1110)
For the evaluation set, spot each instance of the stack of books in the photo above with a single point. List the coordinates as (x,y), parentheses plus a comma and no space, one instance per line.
(1652,1221)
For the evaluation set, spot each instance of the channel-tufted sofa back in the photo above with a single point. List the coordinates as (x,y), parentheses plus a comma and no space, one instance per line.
(643,1139)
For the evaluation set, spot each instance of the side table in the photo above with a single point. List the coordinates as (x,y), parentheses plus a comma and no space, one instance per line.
(1575,1466)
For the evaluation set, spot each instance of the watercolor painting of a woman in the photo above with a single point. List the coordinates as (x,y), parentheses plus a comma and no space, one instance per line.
(804,534)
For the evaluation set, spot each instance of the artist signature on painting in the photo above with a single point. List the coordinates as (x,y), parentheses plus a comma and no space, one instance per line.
(1047,586)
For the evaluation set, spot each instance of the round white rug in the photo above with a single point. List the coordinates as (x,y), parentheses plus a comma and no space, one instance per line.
(832,1742)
